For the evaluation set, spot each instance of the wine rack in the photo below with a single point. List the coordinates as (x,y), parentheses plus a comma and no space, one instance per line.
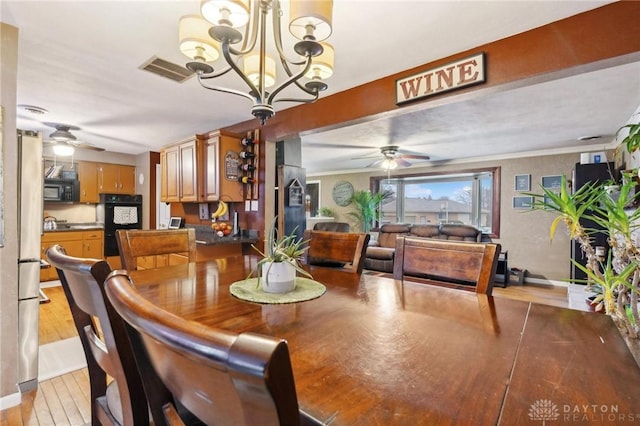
(250,160)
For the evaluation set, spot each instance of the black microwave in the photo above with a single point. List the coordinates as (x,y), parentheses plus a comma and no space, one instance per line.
(61,190)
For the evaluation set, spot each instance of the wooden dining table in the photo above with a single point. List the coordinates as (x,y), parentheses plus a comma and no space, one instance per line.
(377,351)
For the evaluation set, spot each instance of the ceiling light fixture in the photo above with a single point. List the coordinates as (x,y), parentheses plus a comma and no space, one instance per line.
(309,22)
(63,150)
(389,164)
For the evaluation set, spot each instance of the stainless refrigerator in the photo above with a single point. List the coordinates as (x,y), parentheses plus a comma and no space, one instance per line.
(30,207)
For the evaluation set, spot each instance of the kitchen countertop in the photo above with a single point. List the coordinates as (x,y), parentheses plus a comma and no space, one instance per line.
(68,227)
(205,236)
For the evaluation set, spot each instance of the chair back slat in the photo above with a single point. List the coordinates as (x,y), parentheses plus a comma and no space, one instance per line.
(220,376)
(328,248)
(136,243)
(465,263)
(104,339)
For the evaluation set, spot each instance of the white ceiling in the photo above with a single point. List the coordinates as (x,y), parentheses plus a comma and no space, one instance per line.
(80,60)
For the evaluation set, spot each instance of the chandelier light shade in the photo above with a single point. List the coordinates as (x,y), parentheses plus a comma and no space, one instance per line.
(252,69)
(63,150)
(195,42)
(233,13)
(322,65)
(310,18)
(239,28)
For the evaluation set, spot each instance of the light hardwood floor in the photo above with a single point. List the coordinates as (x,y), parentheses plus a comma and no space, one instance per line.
(64,400)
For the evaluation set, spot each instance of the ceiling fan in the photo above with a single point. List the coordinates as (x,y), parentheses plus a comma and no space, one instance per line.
(64,141)
(393,156)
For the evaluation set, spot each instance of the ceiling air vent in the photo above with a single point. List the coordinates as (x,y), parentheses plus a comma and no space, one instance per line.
(166,69)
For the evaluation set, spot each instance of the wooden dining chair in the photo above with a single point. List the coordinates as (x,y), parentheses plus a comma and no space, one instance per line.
(104,340)
(147,249)
(463,265)
(222,377)
(336,249)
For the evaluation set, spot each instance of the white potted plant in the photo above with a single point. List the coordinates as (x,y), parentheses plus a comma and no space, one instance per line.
(279,265)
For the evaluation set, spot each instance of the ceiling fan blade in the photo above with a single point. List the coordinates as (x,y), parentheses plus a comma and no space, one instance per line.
(375,163)
(91,147)
(403,163)
(415,156)
(326,145)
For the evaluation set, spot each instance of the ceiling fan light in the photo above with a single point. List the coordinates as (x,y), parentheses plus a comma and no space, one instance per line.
(231,13)
(63,150)
(389,164)
(251,65)
(322,65)
(311,19)
(194,39)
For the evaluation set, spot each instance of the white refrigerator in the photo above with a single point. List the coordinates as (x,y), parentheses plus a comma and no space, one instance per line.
(30,205)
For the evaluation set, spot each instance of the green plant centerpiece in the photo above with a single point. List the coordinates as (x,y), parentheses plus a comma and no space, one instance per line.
(614,277)
(279,265)
(366,207)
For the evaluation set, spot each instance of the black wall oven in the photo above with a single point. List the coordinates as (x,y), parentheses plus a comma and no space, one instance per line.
(118,211)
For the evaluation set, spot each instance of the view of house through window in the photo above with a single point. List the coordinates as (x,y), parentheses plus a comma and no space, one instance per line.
(462,198)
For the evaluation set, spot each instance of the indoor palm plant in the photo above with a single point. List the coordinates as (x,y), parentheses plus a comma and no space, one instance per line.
(614,277)
(280,261)
(366,207)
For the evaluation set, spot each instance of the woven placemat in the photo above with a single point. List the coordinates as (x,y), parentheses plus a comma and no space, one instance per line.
(250,291)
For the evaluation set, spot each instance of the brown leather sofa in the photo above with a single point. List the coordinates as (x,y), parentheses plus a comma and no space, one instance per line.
(381,252)
(331,226)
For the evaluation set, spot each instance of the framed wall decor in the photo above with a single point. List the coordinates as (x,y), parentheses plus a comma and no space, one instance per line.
(552,182)
(523,183)
(523,202)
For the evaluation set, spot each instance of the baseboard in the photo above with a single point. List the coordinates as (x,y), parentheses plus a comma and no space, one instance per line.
(49,284)
(10,400)
(531,280)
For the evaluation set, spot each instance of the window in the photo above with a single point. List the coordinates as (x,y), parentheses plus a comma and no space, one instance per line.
(468,197)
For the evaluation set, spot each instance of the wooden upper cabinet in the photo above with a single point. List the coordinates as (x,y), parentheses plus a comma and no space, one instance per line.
(198,170)
(88,177)
(212,165)
(222,171)
(170,180)
(116,179)
(97,178)
(179,172)
(189,171)
(127,179)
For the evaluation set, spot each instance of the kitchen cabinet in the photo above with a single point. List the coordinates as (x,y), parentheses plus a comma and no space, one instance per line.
(189,171)
(201,169)
(169,175)
(116,179)
(88,177)
(87,244)
(179,177)
(222,168)
(93,244)
(96,178)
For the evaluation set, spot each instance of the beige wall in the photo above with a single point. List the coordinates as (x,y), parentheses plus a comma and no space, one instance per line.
(9,393)
(524,234)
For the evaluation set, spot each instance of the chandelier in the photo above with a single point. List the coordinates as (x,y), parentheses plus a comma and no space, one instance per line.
(203,38)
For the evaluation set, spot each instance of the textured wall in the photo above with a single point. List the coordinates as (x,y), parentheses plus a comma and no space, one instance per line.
(524,234)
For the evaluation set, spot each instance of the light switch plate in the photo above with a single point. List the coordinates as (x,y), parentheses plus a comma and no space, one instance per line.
(254,205)
(247,205)
(204,211)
